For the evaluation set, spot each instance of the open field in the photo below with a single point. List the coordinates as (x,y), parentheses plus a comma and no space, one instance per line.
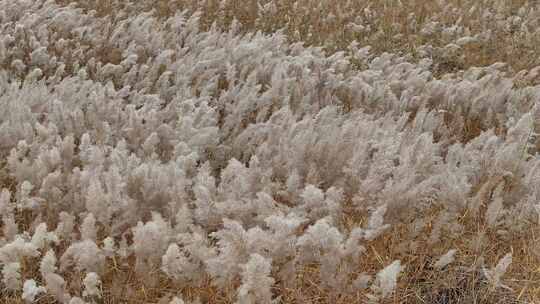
(257,151)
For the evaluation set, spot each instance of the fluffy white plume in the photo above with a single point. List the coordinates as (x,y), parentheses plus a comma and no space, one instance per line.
(41,237)
(92,285)
(386,280)
(48,263)
(176,300)
(256,281)
(11,276)
(445,259)
(56,286)
(31,290)
(494,275)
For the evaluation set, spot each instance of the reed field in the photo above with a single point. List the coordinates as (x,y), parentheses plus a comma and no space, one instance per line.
(269,151)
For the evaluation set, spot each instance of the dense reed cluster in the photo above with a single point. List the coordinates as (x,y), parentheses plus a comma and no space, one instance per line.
(269,151)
